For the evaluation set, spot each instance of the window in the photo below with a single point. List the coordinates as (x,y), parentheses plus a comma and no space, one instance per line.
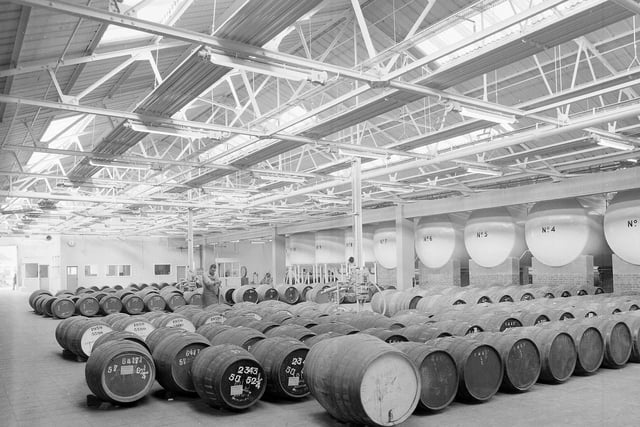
(118,270)
(91,270)
(31,270)
(162,269)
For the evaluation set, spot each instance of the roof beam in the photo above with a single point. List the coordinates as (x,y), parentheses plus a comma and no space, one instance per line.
(21,30)
(364,29)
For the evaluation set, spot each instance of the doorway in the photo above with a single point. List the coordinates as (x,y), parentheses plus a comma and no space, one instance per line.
(9,267)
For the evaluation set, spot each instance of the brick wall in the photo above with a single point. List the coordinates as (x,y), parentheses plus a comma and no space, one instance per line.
(505,274)
(626,277)
(577,273)
(447,275)
(385,276)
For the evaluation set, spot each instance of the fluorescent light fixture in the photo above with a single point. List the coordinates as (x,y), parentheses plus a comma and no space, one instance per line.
(171,131)
(484,171)
(332,200)
(362,154)
(258,242)
(490,116)
(267,69)
(234,241)
(280,178)
(394,189)
(116,164)
(632,160)
(605,142)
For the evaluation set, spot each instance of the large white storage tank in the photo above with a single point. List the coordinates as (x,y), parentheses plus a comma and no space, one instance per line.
(559,231)
(329,247)
(622,226)
(491,236)
(300,249)
(367,245)
(384,247)
(439,240)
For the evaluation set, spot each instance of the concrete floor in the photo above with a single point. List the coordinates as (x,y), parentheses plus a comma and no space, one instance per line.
(40,388)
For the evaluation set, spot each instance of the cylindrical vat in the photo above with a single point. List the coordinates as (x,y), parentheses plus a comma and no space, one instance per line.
(173,357)
(363,380)
(384,247)
(122,372)
(439,240)
(493,235)
(622,225)
(438,374)
(559,231)
(283,360)
(367,245)
(228,376)
(300,249)
(329,246)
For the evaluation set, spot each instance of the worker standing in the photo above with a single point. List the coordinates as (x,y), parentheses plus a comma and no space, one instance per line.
(210,287)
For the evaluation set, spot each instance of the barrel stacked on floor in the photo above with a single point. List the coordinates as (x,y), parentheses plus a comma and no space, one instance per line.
(238,353)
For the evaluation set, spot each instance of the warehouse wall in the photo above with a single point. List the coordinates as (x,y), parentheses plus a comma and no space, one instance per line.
(140,253)
(255,257)
(38,250)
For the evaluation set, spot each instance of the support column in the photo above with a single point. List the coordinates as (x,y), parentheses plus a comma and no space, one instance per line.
(626,277)
(577,273)
(405,250)
(190,261)
(278,257)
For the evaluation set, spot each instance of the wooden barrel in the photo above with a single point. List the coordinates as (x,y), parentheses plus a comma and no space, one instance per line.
(303,288)
(589,345)
(632,320)
(110,304)
(267,293)
(173,320)
(109,337)
(307,322)
(228,376)
(557,349)
(457,328)
(35,294)
(87,305)
(80,336)
(520,358)
(340,327)
(311,341)
(317,294)
(288,294)
(380,301)
(132,304)
(114,317)
(411,317)
(283,361)
(480,368)
(240,336)
(154,302)
(137,325)
(210,330)
(386,335)
(44,303)
(497,322)
(438,374)
(279,316)
(204,317)
(63,327)
(617,338)
(364,321)
(63,308)
(122,372)
(37,303)
(245,294)
(173,357)
(422,333)
(363,380)
(294,331)
(193,297)
(159,334)
(173,300)
(530,318)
